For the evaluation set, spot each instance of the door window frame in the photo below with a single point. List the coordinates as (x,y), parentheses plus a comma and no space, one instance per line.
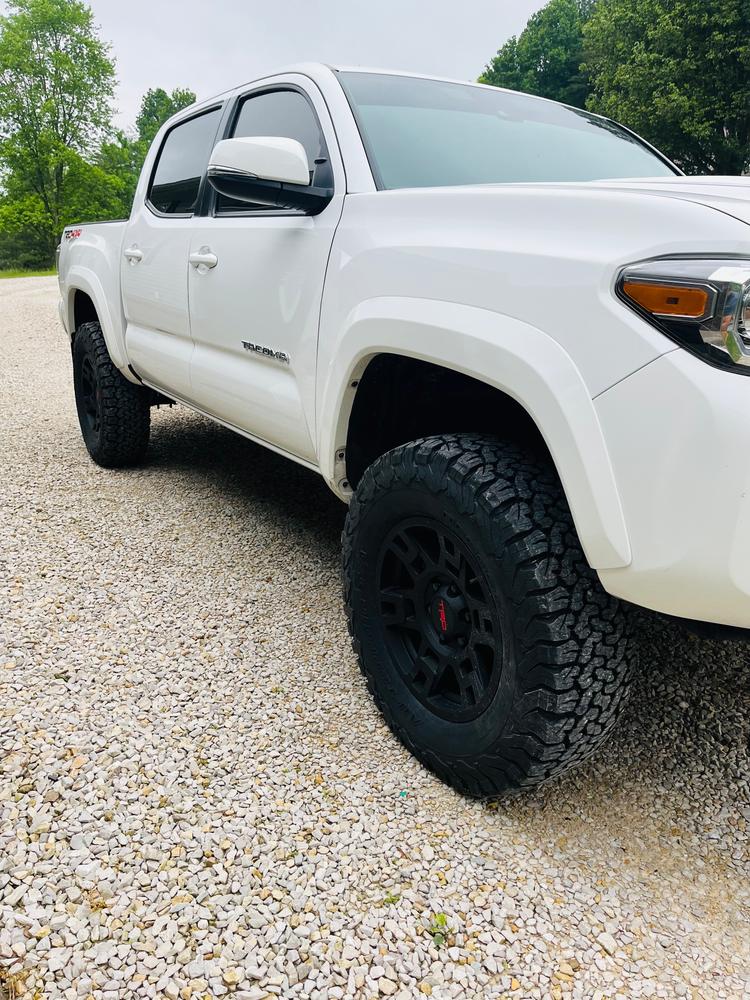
(207,205)
(221,107)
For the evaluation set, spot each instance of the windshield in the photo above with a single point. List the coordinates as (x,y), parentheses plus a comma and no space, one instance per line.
(426,133)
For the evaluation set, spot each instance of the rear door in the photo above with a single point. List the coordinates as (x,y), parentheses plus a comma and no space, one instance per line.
(154,267)
(254,310)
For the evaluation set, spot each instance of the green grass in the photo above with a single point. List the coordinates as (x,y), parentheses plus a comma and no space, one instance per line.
(26,274)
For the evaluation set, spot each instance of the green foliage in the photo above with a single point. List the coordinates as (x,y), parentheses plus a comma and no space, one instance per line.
(156,107)
(60,159)
(678,73)
(123,156)
(56,84)
(56,76)
(25,237)
(19,272)
(30,232)
(546,57)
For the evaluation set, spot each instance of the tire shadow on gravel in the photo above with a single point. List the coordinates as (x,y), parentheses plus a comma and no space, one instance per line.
(673,781)
(689,713)
(683,741)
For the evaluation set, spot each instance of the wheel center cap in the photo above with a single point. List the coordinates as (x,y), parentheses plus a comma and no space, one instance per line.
(447,612)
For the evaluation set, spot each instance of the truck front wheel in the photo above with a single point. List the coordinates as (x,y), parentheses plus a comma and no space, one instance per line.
(486,640)
(114,414)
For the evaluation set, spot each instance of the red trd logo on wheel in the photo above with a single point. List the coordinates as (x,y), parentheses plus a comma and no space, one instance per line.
(442,616)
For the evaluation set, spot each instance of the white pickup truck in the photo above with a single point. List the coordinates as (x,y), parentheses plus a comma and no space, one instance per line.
(508,333)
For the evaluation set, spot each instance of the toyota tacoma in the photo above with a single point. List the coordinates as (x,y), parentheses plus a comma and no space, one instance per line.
(509,334)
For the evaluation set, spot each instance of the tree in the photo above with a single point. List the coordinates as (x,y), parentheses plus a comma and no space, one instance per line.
(28,239)
(123,156)
(157,105)
(546,57)
(677,72)
(56,86)
(60,161)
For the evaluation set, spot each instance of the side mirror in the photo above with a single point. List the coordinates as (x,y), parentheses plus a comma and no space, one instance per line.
(266,170)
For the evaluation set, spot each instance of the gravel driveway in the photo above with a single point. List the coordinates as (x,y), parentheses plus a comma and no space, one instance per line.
(198,798)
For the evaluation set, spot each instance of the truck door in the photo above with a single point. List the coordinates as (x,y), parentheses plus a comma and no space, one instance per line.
(154,266)
(256,279)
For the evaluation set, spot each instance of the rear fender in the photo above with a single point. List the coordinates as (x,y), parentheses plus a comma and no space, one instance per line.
(83,279)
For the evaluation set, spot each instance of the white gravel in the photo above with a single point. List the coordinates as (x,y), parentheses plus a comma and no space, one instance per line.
(198,798)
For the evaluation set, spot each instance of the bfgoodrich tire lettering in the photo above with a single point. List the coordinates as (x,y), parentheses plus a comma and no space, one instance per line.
(561,655)
(114,414)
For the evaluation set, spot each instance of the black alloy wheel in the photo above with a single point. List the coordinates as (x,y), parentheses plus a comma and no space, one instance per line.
(90,400)
(441,623)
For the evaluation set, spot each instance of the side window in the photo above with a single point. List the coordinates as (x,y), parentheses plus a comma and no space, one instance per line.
(182,161)
(281,113)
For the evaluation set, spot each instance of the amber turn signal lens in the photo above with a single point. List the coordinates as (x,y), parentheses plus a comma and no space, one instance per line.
(668,300)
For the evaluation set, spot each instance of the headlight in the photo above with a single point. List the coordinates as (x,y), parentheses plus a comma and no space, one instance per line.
(704,305)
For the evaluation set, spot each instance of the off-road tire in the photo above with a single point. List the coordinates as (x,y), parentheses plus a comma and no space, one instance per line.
(567,654)
(114,414)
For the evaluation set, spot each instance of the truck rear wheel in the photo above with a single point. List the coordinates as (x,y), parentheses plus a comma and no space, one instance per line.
(486,640)
(114,414)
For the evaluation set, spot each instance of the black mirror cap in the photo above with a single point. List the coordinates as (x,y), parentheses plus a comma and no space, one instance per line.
(274,194)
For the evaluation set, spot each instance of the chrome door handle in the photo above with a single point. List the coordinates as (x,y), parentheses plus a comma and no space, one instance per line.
(203,258)
(133,254)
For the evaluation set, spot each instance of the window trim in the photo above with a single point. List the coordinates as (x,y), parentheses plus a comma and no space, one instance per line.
(227,125)
(363,136)
(202,183)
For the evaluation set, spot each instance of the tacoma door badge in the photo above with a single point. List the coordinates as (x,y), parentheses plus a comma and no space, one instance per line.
(266,352)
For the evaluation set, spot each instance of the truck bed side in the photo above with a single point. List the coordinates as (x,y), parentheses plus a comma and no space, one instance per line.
(89,276)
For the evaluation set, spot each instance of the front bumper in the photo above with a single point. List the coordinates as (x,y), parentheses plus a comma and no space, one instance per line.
(678,435)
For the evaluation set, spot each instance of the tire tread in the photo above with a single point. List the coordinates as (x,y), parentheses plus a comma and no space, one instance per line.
(125,409)
(574,649)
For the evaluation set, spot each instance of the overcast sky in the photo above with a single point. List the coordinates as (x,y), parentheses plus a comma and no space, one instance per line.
(212,45)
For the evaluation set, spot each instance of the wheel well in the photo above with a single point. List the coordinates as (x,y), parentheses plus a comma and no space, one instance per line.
(84,310)
(399,399)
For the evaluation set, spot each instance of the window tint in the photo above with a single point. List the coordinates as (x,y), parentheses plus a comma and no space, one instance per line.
(281,113)
(429,133)
(182,161)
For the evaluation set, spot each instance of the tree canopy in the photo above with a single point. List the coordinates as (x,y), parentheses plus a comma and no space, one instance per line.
(678,73)
(61,160)
(675,71)
(546,58)
(156,107)
(56,86)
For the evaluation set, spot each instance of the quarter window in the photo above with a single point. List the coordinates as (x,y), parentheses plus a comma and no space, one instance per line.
(182,162)
(281,113)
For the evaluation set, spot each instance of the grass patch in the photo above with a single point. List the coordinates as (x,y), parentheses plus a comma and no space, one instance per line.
(20,273)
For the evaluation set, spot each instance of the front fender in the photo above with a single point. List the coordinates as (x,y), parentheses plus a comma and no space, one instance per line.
(506,353)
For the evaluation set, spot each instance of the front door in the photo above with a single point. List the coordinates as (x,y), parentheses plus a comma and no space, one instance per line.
(255,284)
(154,265)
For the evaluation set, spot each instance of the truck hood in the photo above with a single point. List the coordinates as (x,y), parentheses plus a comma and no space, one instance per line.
(730,195)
